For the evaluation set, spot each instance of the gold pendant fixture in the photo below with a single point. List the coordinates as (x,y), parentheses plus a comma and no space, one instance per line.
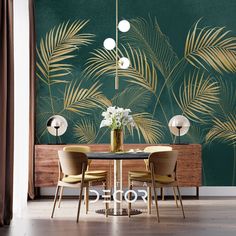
(110,44)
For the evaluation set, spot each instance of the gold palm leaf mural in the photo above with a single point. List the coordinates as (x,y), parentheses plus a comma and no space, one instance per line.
(212,47)
(134,97)
(224,131)
(101,62)
(197,134)
(59,45)
(149,128)
(148,36)
(140,72)
(85,131)
(197,95)
(81,100)
(227,103)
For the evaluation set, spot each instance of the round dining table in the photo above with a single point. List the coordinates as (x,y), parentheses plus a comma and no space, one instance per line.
(117,157)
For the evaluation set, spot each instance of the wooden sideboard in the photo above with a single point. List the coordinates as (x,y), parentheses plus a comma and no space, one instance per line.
(189,164)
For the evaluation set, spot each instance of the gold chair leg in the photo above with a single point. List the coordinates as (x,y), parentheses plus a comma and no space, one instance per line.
(175,197)
(149,189)
(154,190)
(55,200)
(130,195)
(162,194)
(180,199)
(60,197)
(80,198)
(156,202)
(86,199)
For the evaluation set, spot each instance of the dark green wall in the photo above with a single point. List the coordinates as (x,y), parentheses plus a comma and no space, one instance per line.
(212,111)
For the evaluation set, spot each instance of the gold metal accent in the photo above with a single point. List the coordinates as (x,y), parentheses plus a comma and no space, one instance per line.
(117,59)
(117,140)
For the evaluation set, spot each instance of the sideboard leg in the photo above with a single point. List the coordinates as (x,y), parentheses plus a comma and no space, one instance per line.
(197,192)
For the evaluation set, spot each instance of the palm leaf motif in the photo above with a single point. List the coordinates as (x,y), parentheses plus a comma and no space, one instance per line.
(212,47)
(227,103)
(197,134)
(57,47)
(197,94)
(223,130)
(149,128)
(101,62)
(85,131)
(134,97)
(81,100)
(155,44)
(140,72)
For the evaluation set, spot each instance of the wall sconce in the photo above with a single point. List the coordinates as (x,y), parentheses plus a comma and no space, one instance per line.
(110,44)
(57,126)
(179,126)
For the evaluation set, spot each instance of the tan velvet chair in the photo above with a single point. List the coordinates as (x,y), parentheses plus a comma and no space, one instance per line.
(98,173)
(162,174)
(151,149)
(72,174)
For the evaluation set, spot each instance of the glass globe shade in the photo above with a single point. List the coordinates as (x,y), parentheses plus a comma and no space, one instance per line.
(124,63)
(109,43)
(124,26)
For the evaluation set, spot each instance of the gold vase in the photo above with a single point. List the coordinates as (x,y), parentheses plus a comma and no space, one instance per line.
(116,140)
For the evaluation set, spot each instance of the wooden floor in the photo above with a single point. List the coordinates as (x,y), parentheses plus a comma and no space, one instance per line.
(204,217)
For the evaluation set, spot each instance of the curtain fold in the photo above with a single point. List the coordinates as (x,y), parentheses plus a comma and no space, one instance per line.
(31,188)
(6,111)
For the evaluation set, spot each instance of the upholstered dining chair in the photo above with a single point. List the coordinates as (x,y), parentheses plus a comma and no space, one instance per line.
(151,149)
(162,174)
(98,173)
(72,174)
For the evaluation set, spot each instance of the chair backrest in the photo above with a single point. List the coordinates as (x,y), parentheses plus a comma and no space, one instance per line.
(76,148)
(72,163)
(164,163)
(157,149)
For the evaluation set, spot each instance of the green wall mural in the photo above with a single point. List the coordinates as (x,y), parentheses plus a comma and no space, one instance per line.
(183,61)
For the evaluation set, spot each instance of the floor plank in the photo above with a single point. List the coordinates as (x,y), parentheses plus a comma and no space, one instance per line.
(204,217)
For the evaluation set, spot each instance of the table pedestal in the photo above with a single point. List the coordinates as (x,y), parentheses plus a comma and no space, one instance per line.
(118,194)
(117,187)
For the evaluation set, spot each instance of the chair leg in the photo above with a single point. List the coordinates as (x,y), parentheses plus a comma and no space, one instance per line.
(60,197)
(162,194)
(55,200)
(130,195)
(156,203)
(180,199)
(106,199)
(175,197)
(149,189)
(80,198)
(87,199)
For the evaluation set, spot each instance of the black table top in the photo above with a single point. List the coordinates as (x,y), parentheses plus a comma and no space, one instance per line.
(117,155)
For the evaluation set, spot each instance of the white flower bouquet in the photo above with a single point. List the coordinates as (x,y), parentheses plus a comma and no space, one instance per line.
(117,118)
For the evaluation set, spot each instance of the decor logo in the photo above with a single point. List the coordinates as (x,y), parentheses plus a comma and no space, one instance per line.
(107,195)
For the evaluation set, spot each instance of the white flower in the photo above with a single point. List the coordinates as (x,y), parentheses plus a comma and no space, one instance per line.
(111,110)
(106,122)
(126,112)
(117,118)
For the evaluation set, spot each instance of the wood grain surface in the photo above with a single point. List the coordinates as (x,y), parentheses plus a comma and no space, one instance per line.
(189,164)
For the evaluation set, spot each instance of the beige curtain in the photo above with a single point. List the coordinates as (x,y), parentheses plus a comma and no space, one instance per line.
(31,188)
(6,110)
